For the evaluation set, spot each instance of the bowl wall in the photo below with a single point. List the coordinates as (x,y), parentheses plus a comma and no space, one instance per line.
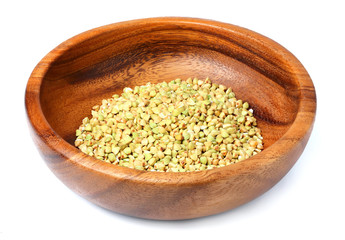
(106,62)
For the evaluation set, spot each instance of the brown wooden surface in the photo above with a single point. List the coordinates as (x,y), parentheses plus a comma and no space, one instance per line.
(94,65)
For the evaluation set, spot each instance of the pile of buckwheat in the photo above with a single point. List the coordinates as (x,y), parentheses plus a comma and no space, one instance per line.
(171,127)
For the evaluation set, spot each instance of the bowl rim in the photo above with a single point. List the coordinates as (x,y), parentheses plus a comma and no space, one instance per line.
(290,140)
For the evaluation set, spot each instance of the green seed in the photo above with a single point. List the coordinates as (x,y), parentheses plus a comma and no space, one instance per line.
(111,157)
(241,119)
(224,134)
(186,135)
(127,139)
(115,110)
(231,95)
(191,145)
(166,160)
(219,139)
(171,108)
(203,160)
(108,138)
(175,112)
(121,125)
(100,117)
(179,137)
(152,93)
(160,154)
(152,161)
(147,156)
(129,115)
(168,152)
(210,138)
(155,130)
(88,127)
(152,125)
(127,150)
(151,139)
(88,137)
(138,167)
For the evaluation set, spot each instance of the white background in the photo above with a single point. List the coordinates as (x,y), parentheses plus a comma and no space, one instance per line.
(307,203)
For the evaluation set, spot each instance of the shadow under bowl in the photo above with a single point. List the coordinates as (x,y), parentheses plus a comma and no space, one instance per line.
(94,65)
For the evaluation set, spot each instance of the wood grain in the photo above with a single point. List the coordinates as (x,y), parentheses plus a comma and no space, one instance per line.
(94,65)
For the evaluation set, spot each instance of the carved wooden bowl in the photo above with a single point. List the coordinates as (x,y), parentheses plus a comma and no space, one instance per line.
(94,65)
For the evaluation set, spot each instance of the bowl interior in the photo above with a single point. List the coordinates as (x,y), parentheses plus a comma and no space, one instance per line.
(105,62)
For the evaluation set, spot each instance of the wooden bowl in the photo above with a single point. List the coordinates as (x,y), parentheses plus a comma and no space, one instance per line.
(94,65)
